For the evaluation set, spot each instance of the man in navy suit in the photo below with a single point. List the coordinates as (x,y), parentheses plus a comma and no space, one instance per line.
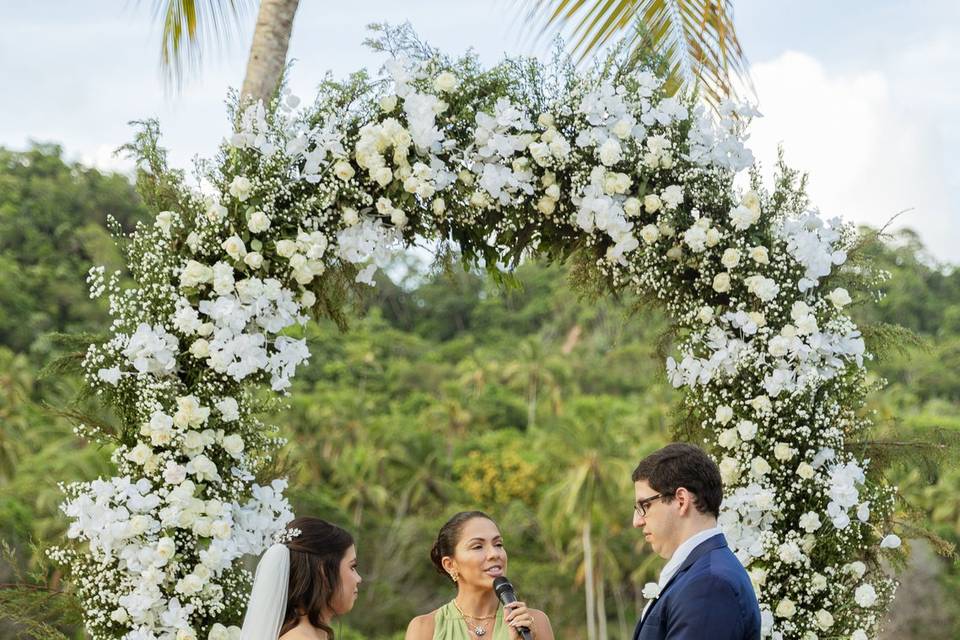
(704,593)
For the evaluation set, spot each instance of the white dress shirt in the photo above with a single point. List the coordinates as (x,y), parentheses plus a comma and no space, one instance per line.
(678,558)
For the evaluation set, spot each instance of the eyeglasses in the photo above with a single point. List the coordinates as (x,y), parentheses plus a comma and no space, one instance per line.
(641,506)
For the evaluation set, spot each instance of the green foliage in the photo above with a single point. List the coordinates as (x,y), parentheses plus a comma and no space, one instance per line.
(448,392)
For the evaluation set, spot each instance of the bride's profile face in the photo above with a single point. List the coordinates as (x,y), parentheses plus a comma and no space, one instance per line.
(349,583)
(479,557)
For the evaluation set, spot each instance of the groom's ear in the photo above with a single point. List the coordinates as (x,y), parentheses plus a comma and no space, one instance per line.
(684,499)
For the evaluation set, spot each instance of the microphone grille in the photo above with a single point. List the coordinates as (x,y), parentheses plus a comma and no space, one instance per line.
(501,584)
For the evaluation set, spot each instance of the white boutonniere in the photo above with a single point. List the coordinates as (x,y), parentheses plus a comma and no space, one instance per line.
(651,591)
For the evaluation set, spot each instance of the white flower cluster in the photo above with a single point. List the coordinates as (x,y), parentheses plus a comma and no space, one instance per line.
(640,182)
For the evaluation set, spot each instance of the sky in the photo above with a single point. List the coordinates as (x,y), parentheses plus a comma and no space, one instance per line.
(864,95)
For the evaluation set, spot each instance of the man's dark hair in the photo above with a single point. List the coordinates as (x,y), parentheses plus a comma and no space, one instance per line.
(683,465)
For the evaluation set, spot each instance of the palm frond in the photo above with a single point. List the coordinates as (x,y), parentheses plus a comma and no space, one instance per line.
(696,38)
(189,26)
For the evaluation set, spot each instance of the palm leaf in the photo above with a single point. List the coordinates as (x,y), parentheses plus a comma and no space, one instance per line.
(189,26)
(696,38)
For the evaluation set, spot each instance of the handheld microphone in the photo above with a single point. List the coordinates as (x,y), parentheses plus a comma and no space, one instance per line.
(506,594)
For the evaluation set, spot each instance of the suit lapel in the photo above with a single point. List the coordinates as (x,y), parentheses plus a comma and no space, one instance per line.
(716,542)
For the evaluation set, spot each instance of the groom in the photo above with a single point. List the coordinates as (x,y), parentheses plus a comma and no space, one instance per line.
(704,593)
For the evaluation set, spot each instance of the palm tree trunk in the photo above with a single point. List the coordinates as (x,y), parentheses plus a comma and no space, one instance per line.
(268,52)
(588,581)
(601,605)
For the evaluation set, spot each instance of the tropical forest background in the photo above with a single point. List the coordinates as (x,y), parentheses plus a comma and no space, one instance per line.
(448,391)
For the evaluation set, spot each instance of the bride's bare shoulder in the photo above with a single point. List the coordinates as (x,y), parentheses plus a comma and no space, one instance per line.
(421,627)
(300,633)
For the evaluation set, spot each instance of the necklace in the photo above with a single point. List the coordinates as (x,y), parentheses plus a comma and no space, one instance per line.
(478,629)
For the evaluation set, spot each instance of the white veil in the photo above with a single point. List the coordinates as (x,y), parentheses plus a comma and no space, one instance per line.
(268,599)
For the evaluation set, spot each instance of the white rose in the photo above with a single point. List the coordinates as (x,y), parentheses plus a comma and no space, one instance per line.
(666,230)
(343,170)
(652,203)
(259,222)
(195,273)
(810,521)
(705,315)
(218,632)
(742,217)
(388,103)
(240,188)
(546,205)
(216,211)
(189,585)
(253,260)
(761,404)
(233,444)
(713,237)
(805,471)
(751,201)
(724,414)
(220,529)
(166,547)
(747,429)
(839,297)
(783,452)
(650,233)
(382,176)
(545,120)
(824,619)
(786,608)
(174,473)
(234,247)
(721,282)
(398,218)
(818,582)
(119,615)
(731,258)
(856,569)
(651,590)
(200,348)
(610,152)
(622,128)
(308,299)
(631,206)
(729,470)
(672,196)
(759,255)
(757,318)
(865,595)
(675,252)
(759,467)
(350,216)
(728,438)
(140,454)
(445,82)
(758,576)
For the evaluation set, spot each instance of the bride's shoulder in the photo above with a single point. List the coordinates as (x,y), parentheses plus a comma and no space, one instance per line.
(298,633)
(422,627)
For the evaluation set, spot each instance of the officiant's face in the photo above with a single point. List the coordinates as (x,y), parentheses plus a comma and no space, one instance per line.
(659,521)
(480,557)
(349,582)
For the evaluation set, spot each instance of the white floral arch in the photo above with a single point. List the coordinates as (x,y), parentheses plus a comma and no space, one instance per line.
(517,160)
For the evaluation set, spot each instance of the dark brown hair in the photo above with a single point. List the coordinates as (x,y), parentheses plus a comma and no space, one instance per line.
(683,465)
(449,536)
(315,556)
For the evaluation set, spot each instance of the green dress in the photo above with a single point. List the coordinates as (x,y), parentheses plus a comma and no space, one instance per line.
(450,625)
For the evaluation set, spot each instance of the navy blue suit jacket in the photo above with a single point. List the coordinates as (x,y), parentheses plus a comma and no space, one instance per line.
(709,598)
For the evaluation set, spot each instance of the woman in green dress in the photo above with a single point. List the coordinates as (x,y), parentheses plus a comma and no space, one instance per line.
(469,551)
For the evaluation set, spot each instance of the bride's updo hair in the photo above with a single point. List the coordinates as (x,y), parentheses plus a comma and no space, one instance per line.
(315,555)
(449,536)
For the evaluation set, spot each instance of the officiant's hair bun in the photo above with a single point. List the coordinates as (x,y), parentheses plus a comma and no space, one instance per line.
(449,536)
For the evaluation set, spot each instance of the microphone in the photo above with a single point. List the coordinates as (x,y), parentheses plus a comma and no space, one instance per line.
(506,594)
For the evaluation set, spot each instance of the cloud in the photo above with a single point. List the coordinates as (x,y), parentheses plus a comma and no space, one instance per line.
(868,157)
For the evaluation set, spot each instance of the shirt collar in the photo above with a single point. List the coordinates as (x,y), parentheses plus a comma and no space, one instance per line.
(680,555)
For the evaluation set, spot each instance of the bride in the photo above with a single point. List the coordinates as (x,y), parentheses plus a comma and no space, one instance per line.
(303,583)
